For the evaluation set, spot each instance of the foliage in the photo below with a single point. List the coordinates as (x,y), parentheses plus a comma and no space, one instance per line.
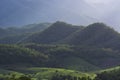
(13,55)
(13,35)
(54,33)
(37,73)
(109,75)
(83,58)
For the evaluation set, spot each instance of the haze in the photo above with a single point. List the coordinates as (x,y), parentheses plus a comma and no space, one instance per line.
(81,12)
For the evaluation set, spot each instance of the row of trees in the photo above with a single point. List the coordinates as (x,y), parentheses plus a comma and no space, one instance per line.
(14,77)
(109,75)
(69,77)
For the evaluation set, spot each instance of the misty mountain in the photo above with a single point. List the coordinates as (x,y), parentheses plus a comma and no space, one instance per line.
(82,12)
(54,33)
(97,34)
(30,28)
(67,46)
(21,12)
(13,34)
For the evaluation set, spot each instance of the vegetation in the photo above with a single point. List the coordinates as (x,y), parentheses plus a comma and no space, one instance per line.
(47,74)
(13,35)
(65,52)
(83,58)
(109,74)
(11,55)
(54,33)
(97,34)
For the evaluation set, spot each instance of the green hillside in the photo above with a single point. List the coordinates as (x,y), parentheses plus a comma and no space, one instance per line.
(36,73)
(14,56)
(30,28)
(109,74)
(97,34)
(13,39)
(54,33)
(83,58)
(13,35)
(60,52)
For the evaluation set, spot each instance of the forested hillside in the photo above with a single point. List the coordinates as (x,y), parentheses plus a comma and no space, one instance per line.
(54,33)
(13,35)
(97,34)
(13,55)
(83,58)
(59,51)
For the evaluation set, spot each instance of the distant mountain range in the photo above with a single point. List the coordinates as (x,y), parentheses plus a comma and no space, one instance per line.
(23,12)
(14,34)
(61,45)
(54,33)
(97,34)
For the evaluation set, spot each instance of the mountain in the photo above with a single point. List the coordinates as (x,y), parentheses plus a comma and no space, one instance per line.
(54,33)
(47,52)
(30,28)
(13,35)
(68,46)
(97,34)
(13,39)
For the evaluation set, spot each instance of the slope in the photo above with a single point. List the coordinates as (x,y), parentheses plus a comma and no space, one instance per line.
(13,55)
(97,34)
(54,33)
(109,74)
(83,58)
(13,35)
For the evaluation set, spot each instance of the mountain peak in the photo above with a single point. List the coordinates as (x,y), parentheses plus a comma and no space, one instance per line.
(57,31)
(61,24)
(98,26)
(97,34)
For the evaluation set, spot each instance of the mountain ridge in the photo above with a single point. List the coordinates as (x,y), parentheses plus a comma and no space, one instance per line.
(54,33)
(96,34)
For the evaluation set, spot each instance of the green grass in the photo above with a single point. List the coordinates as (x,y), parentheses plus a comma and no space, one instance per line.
(8,74)
(110,69)
(43,73)
(47,73)
(76,63)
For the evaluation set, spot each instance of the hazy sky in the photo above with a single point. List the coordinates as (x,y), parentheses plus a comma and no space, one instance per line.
(107,11)
(84,12)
